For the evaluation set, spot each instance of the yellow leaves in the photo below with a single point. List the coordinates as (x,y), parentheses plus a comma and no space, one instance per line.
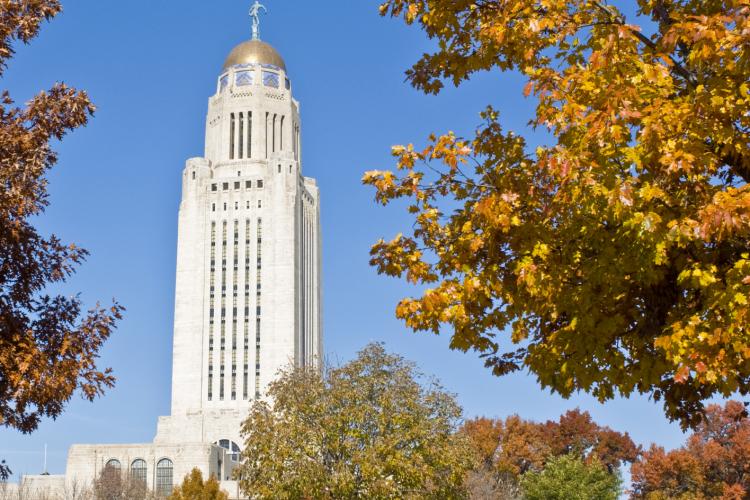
(619,245)
(541,251)
(727,215)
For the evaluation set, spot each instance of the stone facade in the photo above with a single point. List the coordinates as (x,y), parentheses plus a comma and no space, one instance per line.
(248,295)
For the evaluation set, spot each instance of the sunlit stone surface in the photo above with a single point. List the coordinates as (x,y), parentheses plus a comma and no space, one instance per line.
(248,280)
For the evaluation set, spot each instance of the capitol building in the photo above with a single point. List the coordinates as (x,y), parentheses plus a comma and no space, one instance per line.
(248,294)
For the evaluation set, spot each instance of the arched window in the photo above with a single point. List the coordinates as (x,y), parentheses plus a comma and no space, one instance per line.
(231,446)
(164,477)
(113,464)
(139,471)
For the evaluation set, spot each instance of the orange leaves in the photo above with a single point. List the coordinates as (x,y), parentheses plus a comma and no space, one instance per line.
(728,215)
(621,247)
(712,464)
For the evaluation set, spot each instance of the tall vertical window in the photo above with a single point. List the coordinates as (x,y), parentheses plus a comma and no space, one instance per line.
(139,471)
(232,126)
(246,329)
(223,308)
(235,292)
(249,134)
(266,133)
(258,306)
(281,134)
(212,313)
(273,138)
(241,135)
(164,477)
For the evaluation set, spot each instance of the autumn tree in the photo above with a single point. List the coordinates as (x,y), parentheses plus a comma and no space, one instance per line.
(115,483)
(195,488)
(510,448)
(615,259)
(570,478)
(372,428)
(715,462)
(48,345)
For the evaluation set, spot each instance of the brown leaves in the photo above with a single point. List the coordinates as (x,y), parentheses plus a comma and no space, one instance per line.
(49,348)
(21,20)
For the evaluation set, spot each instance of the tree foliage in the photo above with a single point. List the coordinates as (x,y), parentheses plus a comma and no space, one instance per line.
(715,462)
(508,449)
(48,345)
(373,428)
(616,258)
(570,478)
(195,488)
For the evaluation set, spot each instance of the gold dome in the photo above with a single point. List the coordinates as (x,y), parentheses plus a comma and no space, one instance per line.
(254,52)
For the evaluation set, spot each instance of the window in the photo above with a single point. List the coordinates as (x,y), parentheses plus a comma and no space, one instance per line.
(260,204)
(273,138)
(281,134)
(225,186)
(139,471)
(237,185)
(271,79)
(231,136)
(288,84)
(279,168)
(213,207)
(242,136)
(260,184)
(243,78)
(248,184)
(214,187)
(193,174)
(259,254)
(164,477)
(231,446)
(266,136)
(223,82)
(113,464)
(249,134)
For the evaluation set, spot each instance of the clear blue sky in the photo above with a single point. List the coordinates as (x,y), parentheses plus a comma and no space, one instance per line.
(150,67)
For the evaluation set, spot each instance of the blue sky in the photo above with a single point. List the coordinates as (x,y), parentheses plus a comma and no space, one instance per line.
(150,67)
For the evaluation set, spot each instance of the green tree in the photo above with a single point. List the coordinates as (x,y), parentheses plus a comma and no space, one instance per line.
(614,259)
(570,478)
(373,428)
(194,488)
(49,346)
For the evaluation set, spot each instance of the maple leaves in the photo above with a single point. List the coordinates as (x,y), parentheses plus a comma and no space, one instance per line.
(614,260)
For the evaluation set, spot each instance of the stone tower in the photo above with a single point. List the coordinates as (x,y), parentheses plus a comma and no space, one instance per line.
(248,294)
(248,300)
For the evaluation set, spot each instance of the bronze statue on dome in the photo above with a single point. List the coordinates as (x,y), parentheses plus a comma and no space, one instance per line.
(255,11)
